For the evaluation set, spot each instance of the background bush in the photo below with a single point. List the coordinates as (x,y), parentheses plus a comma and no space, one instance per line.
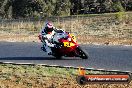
(47,8)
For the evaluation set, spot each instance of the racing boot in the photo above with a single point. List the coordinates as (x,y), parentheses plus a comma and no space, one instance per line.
(43,48)
(50,53)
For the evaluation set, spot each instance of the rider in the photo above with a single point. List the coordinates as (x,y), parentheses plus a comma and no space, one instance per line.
(46,36)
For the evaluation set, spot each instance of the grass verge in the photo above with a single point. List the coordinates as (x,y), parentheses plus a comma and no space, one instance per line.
(38,76)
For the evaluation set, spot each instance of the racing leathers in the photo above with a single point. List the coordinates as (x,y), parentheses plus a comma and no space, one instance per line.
(47,39)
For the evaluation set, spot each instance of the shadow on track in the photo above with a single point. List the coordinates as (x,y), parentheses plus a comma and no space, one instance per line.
(37,58)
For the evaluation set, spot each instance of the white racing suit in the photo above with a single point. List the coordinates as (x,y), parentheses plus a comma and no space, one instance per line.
(47,40)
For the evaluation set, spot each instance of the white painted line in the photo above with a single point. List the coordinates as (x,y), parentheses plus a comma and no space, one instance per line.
(101,69)
(90,68)
(115,70)
(7,62)
(69,66)
(25,63)
(42,64)
(54,65)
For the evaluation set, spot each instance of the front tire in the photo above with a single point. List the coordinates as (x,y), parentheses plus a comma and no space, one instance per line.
(82,53)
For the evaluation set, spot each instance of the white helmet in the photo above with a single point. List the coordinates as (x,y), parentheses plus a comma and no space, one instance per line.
(49,27)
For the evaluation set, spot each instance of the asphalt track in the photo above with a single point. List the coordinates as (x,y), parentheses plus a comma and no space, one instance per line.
(100,56)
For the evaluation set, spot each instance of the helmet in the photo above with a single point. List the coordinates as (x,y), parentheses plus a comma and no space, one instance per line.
(48,27)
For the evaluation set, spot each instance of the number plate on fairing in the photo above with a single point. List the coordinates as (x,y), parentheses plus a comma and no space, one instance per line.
(68,44)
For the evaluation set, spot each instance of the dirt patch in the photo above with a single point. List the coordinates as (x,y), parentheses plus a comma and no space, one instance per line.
(102,40)
(19,38)
(103,29)
(83,39)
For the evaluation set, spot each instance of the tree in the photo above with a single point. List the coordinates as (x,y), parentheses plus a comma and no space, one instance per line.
(77,6)
(108,5)
(49,8)
(117,6)
(5,4)
(62,7)
(37,8)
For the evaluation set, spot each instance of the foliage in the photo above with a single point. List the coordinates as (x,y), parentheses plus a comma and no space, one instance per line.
(120,16)
(117,6)
(47,8)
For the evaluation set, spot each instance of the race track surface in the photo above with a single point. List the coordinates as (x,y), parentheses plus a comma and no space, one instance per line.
(100,56)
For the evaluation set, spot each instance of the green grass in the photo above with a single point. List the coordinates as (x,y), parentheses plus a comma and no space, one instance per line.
(9,69)
(34,70)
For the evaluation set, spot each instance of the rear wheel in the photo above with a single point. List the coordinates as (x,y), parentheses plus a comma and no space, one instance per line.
(82,53)
(58,56)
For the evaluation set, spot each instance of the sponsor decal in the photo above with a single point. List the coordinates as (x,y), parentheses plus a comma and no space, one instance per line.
(84,78)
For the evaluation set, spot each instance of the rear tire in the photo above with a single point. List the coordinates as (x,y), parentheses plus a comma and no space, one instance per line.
(82,53)
(57,56)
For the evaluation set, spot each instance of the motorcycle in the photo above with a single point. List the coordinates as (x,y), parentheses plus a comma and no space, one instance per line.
(67,46)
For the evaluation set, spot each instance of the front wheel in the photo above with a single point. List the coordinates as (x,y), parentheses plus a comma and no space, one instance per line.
(82,53)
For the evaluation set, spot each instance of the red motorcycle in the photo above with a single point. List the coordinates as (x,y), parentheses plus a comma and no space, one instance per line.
(67,46)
